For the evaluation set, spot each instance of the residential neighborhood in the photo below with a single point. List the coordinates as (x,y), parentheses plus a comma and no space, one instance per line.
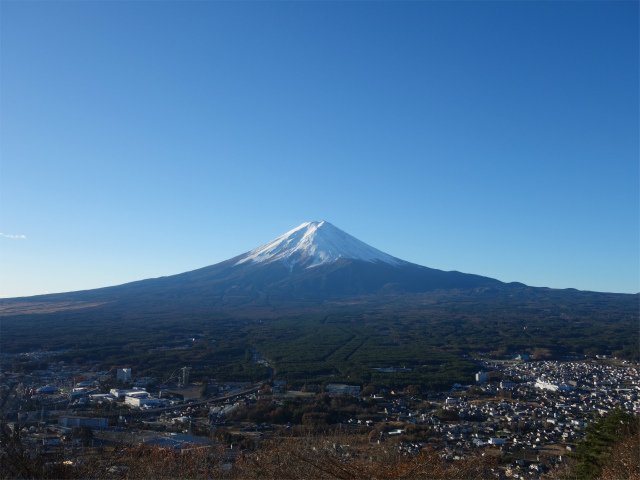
(529,414)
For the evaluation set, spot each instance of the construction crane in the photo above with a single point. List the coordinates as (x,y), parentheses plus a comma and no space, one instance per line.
(181,375)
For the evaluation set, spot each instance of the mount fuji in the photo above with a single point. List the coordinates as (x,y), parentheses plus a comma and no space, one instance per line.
(317,284)
(317,259)
(314,261)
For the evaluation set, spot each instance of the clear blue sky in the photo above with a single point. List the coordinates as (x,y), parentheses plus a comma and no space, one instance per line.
(148,138)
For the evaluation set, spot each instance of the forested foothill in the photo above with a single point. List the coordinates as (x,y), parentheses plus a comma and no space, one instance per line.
(427,338)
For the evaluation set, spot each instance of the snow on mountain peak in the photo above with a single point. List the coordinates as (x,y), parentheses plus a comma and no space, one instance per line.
(315,243)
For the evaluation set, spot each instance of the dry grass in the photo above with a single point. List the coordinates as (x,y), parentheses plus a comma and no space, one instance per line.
(44,307)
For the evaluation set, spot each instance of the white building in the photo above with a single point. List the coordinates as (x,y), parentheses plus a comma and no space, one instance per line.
(482,377)
(124,374)
(141,401)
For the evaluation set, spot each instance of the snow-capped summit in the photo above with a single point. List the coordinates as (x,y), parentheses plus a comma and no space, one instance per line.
(315,243)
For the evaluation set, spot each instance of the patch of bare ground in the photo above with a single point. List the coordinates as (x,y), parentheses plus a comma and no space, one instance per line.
(27,308)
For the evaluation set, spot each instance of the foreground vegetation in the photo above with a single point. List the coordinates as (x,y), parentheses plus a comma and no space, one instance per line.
(611,449)
(307,457)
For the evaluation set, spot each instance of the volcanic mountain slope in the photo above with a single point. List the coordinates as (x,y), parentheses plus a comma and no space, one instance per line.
(315,295)
(314,261)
